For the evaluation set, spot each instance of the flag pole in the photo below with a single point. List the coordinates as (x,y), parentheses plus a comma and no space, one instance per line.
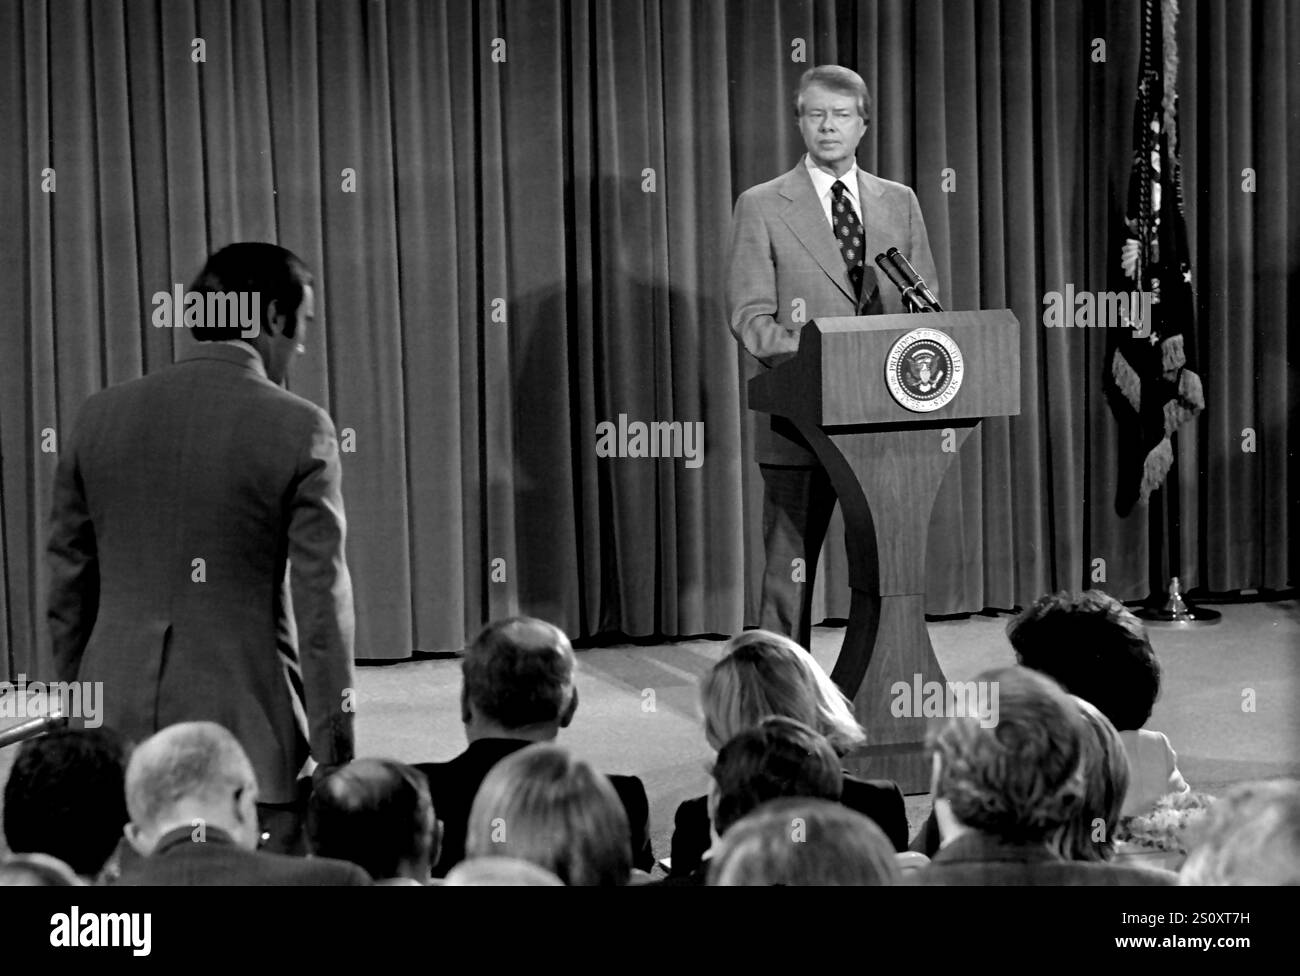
(1155,167)
(1175,611)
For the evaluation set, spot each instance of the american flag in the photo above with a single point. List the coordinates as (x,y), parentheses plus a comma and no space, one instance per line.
(1150,381)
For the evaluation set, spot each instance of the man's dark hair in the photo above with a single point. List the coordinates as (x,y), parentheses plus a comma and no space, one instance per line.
(781,757)
(275,273)
(519,672)
(375,813)
(66,797)
(1093,647)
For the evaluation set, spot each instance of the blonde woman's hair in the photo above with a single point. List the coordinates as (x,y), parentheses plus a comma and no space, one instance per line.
(764,674)
(543,806)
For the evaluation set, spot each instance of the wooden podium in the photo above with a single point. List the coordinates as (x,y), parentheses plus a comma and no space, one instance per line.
(886,462)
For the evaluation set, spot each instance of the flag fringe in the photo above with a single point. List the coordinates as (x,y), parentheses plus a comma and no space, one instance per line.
(1190,391)
(1168,100)
(1127,380)
(1159,460)
(1186,405)
(1172,356)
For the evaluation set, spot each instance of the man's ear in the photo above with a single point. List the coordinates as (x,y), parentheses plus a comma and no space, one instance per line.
(567,717)
(466,715)
(275,320)
(246,806)
(136,839)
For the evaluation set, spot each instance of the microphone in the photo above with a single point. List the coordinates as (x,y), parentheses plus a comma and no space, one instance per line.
(31,728)
(915,280)
(911,300)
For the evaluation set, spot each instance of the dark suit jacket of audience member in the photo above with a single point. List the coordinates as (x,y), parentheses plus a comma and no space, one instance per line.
(216,860)
(977,859)
(879,799)
(927,838)
(453,784)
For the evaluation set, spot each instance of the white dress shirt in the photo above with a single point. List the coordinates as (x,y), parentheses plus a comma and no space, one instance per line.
(823,181)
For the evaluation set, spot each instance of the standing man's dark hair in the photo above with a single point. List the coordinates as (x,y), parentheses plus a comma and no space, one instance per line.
(66,797)
(276,274)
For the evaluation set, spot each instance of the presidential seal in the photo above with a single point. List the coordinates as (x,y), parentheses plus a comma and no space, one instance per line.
(924,370)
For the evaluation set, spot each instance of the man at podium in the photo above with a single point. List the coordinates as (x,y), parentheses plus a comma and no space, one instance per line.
(803,247)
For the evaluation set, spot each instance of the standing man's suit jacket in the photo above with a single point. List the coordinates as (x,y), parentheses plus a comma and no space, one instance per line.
(454,784)
(783,250)
(208,460)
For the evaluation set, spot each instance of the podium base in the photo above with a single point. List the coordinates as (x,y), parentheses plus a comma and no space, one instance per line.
(907,763)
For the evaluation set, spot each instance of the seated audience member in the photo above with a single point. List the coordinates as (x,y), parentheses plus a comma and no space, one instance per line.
(803,841)
(1251,836)
(192,797)
(500,872)
(1002,794)
(543,806)
(1094,647)
(780,757)
(376,813)
(36,871)
(764,674)
(65,798)
(1089,835)
(517,689)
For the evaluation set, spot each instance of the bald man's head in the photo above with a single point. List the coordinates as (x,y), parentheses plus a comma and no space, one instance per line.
(518,679)
(191,774)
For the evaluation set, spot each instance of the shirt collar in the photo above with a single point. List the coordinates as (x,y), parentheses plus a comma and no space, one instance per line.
(234,352)
(973,845)
(823,181)
(178,836)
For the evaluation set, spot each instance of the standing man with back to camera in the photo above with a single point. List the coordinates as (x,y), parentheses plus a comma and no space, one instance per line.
(802,248)
(197,545)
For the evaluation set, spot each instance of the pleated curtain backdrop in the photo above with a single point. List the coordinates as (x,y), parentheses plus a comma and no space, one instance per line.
(518,216)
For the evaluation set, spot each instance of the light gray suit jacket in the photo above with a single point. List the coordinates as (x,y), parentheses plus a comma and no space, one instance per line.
(786,270)
(179,501)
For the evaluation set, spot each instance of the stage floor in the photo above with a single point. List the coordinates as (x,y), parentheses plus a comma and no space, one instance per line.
(638,710)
